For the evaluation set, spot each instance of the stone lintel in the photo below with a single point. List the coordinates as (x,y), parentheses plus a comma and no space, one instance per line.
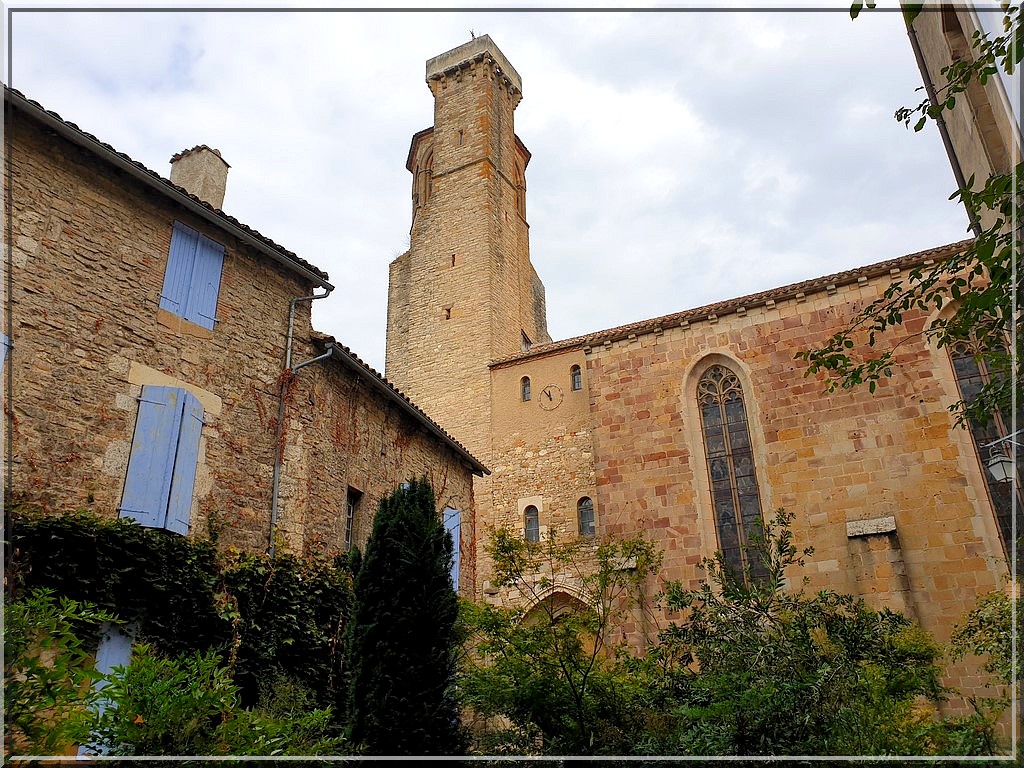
(870,527)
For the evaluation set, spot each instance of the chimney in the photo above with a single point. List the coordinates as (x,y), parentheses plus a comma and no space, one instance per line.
(201,171)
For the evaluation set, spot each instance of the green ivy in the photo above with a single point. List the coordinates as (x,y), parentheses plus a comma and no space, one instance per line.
(265,617)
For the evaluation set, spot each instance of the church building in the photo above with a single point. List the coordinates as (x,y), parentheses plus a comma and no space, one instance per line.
(690,428)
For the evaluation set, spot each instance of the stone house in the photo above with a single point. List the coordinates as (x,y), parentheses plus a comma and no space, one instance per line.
(160,362)
(689,428)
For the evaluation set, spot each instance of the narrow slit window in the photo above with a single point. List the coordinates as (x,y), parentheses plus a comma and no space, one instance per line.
(531,524)
(524,387)
(576,378)
(351,509)
(585,514)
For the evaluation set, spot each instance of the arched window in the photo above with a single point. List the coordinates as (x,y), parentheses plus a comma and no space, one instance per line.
(531,527)
(524,385)
(576,377)
(972,373)
(423,180)
(585,513)
(520,177)
(734,491)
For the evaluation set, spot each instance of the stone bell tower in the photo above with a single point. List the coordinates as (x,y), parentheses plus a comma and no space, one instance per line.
(465,293)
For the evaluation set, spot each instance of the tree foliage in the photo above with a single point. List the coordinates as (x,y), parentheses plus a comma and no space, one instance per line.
(754,667)
(403,644)
(267,616)
(548,677)
(48,671)
(761,668)
(979,281)
(191,706)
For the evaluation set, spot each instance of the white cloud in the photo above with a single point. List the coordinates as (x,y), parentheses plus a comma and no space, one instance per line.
(678,158)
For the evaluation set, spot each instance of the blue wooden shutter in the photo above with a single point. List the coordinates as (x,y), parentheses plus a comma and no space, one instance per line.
(180,264)
(151,464)
(201,306)
(5,343)
(452,524)
(115,650)
(186,460)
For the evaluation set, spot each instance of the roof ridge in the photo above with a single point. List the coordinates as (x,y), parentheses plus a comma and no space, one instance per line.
(329,340)
(726,306)
(284,252)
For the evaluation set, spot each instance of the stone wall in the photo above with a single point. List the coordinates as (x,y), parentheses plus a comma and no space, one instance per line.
(90,247)
(884,487)
(343,434)
(542,449)
(980,126)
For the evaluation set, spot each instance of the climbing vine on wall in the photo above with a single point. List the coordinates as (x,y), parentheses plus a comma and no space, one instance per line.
(267,617)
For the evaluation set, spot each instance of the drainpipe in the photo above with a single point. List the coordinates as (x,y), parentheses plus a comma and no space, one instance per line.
(288,372)
(940,123)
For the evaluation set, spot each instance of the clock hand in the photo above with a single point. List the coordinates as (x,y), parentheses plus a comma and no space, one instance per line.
(548,393)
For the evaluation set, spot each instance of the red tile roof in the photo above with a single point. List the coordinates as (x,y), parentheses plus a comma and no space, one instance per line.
(729,306)
(396,395)
(87,140)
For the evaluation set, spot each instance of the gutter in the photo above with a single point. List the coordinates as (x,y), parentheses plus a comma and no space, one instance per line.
(154,181)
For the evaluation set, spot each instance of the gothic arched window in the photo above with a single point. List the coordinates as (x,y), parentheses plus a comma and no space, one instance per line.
(585,513)
(423,181)
(520,178)
(972,373)
(531,524)
(734,493)
(576,376)
(524,386)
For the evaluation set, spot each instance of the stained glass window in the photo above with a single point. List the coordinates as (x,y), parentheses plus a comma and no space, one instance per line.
(972,373)
(734,492)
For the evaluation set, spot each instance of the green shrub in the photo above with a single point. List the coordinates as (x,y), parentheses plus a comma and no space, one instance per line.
(48,672)
(190,706)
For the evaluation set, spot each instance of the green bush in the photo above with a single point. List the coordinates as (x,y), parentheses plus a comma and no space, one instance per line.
(190,706)
(48,672)
(267,616)
(765,670)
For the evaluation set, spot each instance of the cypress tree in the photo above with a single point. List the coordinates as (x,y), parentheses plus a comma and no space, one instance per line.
(403,643)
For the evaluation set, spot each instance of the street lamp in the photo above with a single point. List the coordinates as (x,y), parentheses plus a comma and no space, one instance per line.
(1000,463)
(1000,466)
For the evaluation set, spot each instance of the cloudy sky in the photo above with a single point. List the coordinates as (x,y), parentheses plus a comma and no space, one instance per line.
(679,157)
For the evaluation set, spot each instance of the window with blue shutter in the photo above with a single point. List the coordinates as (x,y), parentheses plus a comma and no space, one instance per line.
(192,277)
(452,524)
(162,465)
(5,343)
(115,650)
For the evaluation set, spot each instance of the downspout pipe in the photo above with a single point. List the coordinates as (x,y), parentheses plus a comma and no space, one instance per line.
(289,371)
(954,161)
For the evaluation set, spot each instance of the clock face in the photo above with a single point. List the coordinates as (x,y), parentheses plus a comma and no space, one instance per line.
(550,397)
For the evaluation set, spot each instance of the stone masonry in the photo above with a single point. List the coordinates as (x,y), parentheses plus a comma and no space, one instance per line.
(888,491)
(89,248)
